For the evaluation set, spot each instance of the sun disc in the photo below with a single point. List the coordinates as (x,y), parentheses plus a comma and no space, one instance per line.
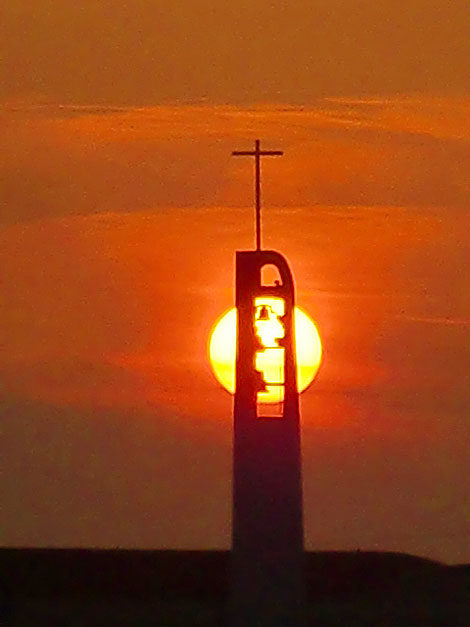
(223,342)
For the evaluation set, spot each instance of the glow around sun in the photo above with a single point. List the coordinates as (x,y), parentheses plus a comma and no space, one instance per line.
(223,340)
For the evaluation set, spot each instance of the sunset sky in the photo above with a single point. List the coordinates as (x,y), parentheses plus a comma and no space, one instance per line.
(121,209)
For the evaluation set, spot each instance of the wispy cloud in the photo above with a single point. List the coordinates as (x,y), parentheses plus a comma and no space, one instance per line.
(458,322)
(61,159)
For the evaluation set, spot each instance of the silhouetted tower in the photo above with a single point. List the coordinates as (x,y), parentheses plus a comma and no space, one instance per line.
(267,588)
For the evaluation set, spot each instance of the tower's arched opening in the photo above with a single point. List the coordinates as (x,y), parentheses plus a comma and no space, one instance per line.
(270,276)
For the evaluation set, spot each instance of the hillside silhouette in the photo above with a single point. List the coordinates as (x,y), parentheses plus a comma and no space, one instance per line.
(133,588)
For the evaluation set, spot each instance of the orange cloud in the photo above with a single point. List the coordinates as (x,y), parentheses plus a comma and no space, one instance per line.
(62,160)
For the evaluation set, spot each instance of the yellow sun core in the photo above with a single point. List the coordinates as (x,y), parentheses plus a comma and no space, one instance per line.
(223,344)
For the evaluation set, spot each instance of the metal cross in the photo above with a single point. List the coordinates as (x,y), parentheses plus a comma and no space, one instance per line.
(257,153)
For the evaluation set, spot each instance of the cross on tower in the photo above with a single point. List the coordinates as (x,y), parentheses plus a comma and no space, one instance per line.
(257,153)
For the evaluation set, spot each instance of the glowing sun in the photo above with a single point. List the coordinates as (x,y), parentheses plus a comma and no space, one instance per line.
(223,340)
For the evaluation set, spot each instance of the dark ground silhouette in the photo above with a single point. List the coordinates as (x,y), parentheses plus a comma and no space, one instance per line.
(127,588)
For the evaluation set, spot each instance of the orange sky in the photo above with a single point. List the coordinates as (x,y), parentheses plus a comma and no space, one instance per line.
(120,213)
(146,51)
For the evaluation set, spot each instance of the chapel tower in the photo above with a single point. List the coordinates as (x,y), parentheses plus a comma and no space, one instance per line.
(267,588)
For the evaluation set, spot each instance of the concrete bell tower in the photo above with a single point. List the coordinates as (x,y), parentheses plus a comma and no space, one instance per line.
(267,587)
